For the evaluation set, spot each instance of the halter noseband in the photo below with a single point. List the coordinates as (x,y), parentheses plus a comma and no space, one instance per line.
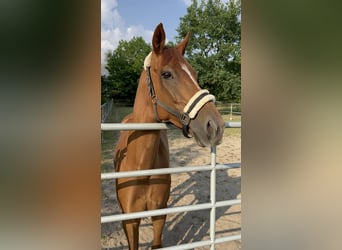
(196,102)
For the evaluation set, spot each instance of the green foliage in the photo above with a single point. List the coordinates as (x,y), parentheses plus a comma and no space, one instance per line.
(106,92)
(124,66)
(214,49)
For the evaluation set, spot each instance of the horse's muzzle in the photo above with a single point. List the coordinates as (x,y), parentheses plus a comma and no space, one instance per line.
(214,133)
(208,127)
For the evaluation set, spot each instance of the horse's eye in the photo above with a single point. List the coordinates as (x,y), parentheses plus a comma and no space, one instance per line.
(166,75)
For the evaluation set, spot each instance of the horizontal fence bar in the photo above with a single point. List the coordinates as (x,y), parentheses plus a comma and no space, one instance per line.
(188,245)
(114,175)
(180,209)
(233,124)
(193,245)
(227,203)
(151,126)
(135,126)
(163,211)
(228,238)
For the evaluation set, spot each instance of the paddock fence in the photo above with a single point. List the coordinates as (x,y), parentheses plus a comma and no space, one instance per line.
(212,205)
(230,109)
(106,108)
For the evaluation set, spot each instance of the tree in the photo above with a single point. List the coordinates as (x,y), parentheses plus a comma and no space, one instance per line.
(124,66)
(106,87)
(214,49)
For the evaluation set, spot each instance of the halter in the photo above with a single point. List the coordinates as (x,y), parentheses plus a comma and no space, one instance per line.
(196,102)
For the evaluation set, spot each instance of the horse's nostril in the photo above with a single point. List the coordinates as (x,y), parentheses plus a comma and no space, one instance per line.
(209,125)
(218,131)
(211,129)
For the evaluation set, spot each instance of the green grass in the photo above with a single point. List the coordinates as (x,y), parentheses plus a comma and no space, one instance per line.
(232,131)
(224,109)
(109,138)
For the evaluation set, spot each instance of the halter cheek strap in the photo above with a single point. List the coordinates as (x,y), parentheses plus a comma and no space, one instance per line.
(191,109)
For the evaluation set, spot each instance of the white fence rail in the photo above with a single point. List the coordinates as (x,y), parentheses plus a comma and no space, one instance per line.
(150,126)
(212,205)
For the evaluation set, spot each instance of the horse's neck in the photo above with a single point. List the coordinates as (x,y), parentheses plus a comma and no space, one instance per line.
(150,145)
(143,109)
(144,149)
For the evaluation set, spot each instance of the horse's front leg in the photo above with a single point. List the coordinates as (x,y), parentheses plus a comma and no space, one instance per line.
(131,197)
(158,195)
(158,225)
(131,228)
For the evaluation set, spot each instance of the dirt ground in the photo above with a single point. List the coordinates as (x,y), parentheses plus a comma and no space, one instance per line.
(186,189)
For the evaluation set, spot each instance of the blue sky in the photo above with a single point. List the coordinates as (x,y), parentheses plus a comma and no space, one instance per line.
(124,19)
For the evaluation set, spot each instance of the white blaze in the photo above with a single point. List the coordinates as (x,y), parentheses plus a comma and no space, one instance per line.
(186,69)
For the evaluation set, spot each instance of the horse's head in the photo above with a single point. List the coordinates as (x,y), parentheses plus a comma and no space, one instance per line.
(176,94)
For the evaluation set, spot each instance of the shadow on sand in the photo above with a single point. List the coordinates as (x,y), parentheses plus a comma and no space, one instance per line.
(185,227)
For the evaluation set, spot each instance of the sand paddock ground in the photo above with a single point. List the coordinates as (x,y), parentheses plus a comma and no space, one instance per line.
(186,189)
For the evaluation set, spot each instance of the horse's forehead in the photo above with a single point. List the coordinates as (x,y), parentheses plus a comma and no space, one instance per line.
(172,57)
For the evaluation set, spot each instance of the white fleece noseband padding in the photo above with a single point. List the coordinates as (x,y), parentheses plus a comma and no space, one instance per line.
(147,61)
(200,104)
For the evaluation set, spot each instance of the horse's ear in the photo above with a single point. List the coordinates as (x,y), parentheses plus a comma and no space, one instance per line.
(158,40)
(182,45)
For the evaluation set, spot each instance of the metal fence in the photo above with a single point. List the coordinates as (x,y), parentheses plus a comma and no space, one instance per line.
(230,109)
(212,205)
(106,108)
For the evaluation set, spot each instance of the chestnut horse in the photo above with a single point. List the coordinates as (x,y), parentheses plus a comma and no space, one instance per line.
(168,91)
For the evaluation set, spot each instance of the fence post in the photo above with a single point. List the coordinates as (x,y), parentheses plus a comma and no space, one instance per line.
(213,197)
(212,205)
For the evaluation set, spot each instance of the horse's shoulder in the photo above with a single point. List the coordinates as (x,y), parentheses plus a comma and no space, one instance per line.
(120,148)
(128,118)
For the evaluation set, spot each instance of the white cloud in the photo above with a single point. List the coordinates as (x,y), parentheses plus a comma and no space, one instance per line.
(109,14)
(114,28)
(187,2)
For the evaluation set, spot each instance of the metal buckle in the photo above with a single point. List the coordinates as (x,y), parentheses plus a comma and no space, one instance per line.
(185,119)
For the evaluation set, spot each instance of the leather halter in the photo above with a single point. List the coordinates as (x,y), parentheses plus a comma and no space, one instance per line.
(190,110)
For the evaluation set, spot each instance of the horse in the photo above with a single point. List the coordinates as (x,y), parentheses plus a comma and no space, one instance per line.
(168,91)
